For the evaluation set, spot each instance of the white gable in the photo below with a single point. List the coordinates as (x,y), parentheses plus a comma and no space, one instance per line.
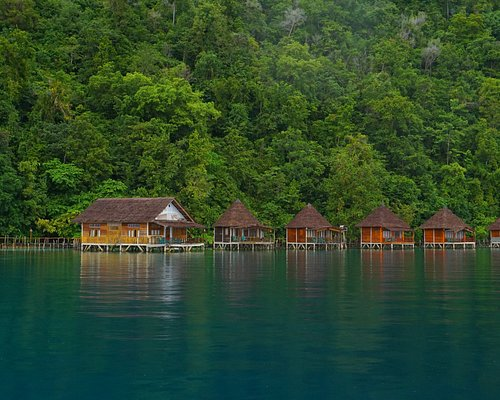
(171,213)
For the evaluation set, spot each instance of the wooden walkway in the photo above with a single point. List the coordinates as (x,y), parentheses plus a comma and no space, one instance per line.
(388,245)
(316,246)
(39,243)
(244,245)
(450,245)
(142,247)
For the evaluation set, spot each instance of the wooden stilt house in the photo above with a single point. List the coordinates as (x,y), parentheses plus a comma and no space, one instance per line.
(382,228)
(445,230)
(238,229)
(137,223)
(494,229)
(309,230)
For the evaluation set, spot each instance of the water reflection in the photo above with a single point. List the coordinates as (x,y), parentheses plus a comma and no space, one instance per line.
(448,264)
(295,324)
(128,285)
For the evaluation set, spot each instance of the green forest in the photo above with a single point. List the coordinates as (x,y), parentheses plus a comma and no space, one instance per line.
(344,104)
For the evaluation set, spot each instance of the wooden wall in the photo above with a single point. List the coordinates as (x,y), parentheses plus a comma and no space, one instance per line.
(371,235)
(434,235)
(296,235)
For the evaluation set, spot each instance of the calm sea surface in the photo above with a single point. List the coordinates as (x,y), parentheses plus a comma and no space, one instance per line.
(250,325)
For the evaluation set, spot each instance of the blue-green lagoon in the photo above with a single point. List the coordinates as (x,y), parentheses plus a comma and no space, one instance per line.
(250,325)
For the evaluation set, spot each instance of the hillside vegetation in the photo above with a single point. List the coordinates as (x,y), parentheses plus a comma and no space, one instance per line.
(345,104)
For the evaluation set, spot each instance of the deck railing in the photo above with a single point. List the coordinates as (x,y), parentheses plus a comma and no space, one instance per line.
(37,242)
(243,239)
(460,240)
(141,240)
(399,240)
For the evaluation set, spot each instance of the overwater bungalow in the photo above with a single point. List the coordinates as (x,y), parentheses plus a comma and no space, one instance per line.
(445,230)
(237,228)
(494,229)
(309,230)
(384,229)
(140,224)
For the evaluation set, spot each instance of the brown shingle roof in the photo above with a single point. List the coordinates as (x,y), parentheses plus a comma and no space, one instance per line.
(495,226)
(127,210)
(237,215)
(385,218)
(445,219)
(309,217)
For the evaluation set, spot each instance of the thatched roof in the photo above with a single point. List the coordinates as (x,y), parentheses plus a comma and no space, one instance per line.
(310,218)
(445,219)
(384,218)
(129,210)
(237,216)
(495,226)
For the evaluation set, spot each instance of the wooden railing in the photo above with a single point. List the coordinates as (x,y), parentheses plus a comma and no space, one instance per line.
(37,242)
(238,239)
(460,240)
(117,240)
(399,240)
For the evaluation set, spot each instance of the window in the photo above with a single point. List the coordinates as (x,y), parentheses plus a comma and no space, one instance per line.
(95,233)
(134,225)
(132,233)
(155,232)
(387,234)
(94,226)
(114,227)
(448,234)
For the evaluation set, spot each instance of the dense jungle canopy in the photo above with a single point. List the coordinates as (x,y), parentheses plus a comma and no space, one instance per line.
(344,104)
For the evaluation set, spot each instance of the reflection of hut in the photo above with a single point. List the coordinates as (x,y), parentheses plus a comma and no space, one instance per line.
(444,229)
(310,230)
(238,228)
(137,223)
(382,228)
(494,229)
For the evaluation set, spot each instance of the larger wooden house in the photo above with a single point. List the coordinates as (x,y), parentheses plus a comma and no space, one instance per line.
(237,228)
(136,223)
(445,230)
(382,228)
(309,230)
(494,229)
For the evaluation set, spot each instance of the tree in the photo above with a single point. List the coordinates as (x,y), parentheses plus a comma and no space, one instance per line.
(294,16)
(354,184)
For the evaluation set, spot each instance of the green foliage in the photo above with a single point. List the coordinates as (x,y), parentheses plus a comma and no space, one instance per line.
(343,104)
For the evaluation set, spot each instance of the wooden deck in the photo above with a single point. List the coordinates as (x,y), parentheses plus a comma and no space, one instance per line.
(38,243)
(450,245)
(388,245)
(244,245)
(142,247)
(315,245)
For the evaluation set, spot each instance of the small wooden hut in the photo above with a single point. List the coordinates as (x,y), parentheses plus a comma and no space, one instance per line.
(136,223)
(309,230)
(494,229)
(238,228)
(445,230)
(382,228)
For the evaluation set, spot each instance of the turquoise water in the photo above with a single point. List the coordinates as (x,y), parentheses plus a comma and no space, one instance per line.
(250,325)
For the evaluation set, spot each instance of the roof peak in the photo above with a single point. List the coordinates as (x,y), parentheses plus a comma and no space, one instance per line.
(383,216)
(237,215)
(309,217)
